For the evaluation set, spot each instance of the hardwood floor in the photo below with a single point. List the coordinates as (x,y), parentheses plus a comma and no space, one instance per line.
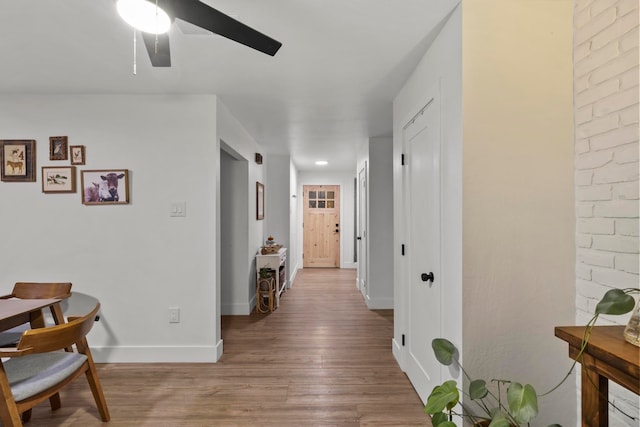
(321,359)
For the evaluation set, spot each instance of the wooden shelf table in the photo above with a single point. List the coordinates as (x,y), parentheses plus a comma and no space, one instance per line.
(607,357)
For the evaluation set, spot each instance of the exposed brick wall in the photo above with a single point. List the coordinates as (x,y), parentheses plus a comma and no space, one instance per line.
(606,159)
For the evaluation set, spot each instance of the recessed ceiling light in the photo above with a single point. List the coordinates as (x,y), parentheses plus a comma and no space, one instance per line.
(144,16)
(322,162)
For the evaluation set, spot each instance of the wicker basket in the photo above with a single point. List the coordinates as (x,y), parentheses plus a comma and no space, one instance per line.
(270,249)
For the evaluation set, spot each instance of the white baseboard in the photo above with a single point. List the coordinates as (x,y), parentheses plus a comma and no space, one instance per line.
(379,303)
(185,354)
(237,309)
(292,277)
(219,350)
(398,353)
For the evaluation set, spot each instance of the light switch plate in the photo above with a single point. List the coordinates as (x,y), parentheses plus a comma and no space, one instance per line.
(178,209)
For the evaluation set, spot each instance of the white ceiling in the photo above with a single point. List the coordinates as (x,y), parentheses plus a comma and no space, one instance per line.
(328,89)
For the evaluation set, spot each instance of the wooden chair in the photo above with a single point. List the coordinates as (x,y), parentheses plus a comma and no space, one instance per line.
(42,290)
(35,290)
(37,369)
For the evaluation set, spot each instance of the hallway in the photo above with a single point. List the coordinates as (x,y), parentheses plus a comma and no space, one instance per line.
(327,357)
(321,359)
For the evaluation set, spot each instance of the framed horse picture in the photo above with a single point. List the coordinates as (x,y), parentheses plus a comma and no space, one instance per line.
(18,160)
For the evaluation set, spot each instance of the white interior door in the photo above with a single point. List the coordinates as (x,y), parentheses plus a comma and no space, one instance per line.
(362,230)
(422,204)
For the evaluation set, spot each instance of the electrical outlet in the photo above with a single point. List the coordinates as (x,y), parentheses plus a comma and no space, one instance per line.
(174,315)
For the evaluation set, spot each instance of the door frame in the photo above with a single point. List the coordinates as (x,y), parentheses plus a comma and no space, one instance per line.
(363,231)
(337,188)
(346,181)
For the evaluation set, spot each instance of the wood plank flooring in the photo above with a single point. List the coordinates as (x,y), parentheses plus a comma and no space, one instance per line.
(321,359)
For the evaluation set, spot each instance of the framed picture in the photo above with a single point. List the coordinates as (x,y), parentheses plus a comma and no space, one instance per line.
(105,186)
(259,200)
(18,160)
(58,149)
(77,154)
(59,179)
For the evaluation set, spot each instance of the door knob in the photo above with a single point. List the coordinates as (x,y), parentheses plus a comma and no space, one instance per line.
(427,277)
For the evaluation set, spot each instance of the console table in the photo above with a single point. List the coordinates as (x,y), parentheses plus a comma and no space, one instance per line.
(607,357)
(276,263)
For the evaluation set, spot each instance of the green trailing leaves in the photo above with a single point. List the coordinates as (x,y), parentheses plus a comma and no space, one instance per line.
(443,396)
(523,402)
(478,389)
(616,302)
(440,419)
(500,419)
(444,350)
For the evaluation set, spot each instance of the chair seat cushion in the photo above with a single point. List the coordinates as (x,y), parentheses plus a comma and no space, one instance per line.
(32,374)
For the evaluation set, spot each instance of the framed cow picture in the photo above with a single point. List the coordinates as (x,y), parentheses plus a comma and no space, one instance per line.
(105,186)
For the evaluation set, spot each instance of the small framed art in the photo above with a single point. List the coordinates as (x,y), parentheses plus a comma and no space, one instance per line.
(18,160)
(259,200)
(77,154)
(105,186)
(59,179)
(58,148)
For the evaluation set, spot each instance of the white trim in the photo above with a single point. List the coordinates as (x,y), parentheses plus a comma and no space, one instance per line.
(398,353)
(152,354)
(238,308)
(379,303)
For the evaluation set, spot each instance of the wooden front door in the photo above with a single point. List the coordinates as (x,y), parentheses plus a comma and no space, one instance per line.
(321,226)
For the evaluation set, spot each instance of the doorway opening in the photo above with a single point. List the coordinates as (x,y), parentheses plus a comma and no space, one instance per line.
(234,234)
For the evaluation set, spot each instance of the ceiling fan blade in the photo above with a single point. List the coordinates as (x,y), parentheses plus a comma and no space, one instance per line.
(204,16)
(160,55)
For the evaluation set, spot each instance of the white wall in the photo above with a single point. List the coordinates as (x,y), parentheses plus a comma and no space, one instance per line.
(606,162)
(347,190)
(518,210)
(134,258)
(503,73)
(278,201)
(233,134)
(235,298)
(376,155)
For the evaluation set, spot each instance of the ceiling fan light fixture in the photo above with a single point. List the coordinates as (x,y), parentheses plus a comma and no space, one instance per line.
(144,15)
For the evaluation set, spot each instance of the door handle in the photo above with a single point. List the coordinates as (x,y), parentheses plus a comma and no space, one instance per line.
(427,277)
(358,238)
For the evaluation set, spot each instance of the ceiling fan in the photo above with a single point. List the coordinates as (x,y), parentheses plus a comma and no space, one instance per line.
(157,16)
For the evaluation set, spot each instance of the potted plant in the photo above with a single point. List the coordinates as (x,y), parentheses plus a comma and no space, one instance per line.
(518,404)
(265,273)
(514,406)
